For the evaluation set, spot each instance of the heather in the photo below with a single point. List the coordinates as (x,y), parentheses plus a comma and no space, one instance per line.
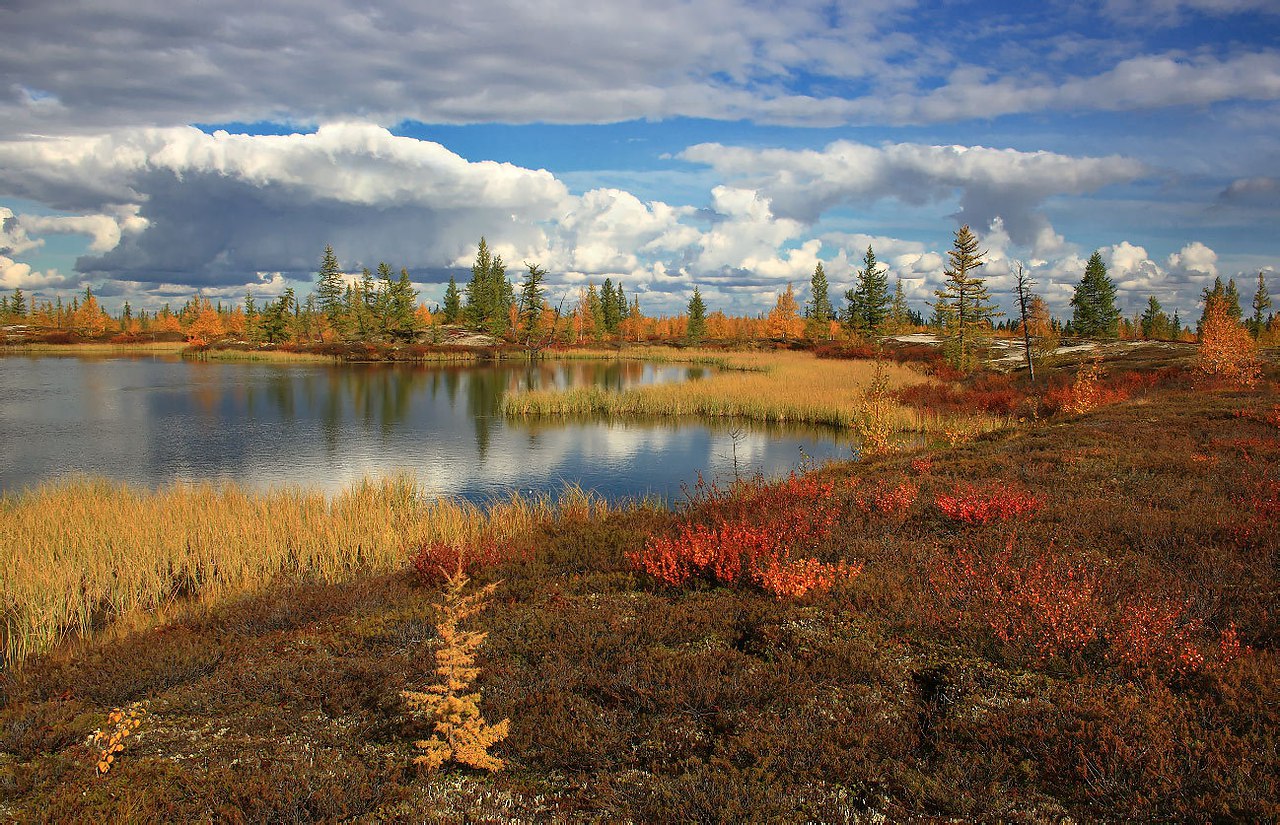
(1073,619)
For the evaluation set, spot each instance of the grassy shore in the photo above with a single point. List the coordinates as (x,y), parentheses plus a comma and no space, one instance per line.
(782,386)
(83,553)
(1114,656)
(140,348)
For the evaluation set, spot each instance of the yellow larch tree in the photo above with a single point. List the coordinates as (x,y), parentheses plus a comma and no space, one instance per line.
(461,732)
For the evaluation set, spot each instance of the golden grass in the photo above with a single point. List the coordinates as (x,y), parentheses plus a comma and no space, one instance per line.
(81,552)
(268,355)
(144,348)
(783,386)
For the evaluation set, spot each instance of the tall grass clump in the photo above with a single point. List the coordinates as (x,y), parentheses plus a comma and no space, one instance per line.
(784,387)
(81,552)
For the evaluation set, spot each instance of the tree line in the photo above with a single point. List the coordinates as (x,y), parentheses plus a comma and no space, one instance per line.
(382,306)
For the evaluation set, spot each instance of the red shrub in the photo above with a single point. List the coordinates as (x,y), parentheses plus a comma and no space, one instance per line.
(983,505)
(888,498)
(749,535)
(434,562)
(1062,607)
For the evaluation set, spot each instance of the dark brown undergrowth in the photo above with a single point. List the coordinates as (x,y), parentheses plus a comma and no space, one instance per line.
(632,700)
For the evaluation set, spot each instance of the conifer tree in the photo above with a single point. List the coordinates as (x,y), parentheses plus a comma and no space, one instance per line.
(1232,296)
(609,306)
(480,297)
(697,318)
(1095,314)
(452,302)
(403,306)
(531,303)
(1207,295)
(868,302)
(1154,323)
(817,310)
(329,288)
(1261,303)
(461,733)
(18,304)
(964,306)
(595,310)
(899,312)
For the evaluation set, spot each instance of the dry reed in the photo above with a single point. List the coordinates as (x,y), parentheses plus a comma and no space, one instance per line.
(82,552)
(780,387)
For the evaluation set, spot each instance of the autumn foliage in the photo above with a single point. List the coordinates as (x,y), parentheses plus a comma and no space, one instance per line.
(1064,607)
(1227,350)
(984,504)
(461,733)
(754,538)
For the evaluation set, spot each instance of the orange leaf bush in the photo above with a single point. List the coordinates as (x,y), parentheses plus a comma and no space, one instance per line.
(1062,608)
(1227,350)
(751,539)
(889,498)
(974,504)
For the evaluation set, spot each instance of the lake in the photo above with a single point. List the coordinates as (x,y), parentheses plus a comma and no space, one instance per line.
(154,420)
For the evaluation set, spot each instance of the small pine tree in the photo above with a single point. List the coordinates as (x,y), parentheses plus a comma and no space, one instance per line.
(1261,303)
(1232,294)
(452,302)
(18,304)
(461,732)
(531,303)
(609,306)
(1095,315)
(1154,323)
(869,301)
(329,288)
(964,307)
(697,318)
(818,311)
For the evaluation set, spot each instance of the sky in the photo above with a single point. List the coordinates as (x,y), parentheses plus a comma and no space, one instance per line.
(150,150)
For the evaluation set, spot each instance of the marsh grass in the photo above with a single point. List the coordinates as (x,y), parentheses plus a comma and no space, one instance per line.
(81,552)
(783,387)
(142,348)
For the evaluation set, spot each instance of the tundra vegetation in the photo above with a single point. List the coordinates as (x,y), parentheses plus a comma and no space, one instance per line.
(1069,617)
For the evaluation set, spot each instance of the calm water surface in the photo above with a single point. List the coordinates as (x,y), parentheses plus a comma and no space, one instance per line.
(155,420)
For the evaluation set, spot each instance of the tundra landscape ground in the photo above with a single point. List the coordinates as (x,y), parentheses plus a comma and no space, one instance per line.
(1073,617)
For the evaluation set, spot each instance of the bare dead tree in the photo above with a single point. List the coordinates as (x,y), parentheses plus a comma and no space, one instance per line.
(1024,285)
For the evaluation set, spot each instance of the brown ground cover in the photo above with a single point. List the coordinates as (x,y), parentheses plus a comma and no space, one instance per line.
(1074,619)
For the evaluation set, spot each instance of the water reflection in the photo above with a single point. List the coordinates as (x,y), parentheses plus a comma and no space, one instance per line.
(152,420)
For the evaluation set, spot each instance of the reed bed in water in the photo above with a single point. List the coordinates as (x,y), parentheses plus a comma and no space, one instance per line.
(779,386)
(82,552)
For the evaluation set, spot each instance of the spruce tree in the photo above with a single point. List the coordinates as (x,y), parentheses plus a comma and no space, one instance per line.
(1154,323)
(480,297)
(452,302)
(532,304)
(329,288)
(899,312)
(697,318)
(403,307)
(595,308)
(1232,296)
(609,305)
(964,307)
(1261,303)
(869,300)
(1095,313)
(819,307)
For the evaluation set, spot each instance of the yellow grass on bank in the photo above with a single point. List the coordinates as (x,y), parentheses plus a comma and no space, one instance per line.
(81,552)
(141,348)
(782,386)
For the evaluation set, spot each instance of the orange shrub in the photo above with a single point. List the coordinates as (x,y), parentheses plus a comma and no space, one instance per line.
(750,535)
(1227,350)
(974,504)
(888,498)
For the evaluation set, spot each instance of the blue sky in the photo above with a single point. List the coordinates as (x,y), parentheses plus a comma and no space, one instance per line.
(152,149)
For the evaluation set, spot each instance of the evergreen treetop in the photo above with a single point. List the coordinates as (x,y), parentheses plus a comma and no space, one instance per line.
(1096,315)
